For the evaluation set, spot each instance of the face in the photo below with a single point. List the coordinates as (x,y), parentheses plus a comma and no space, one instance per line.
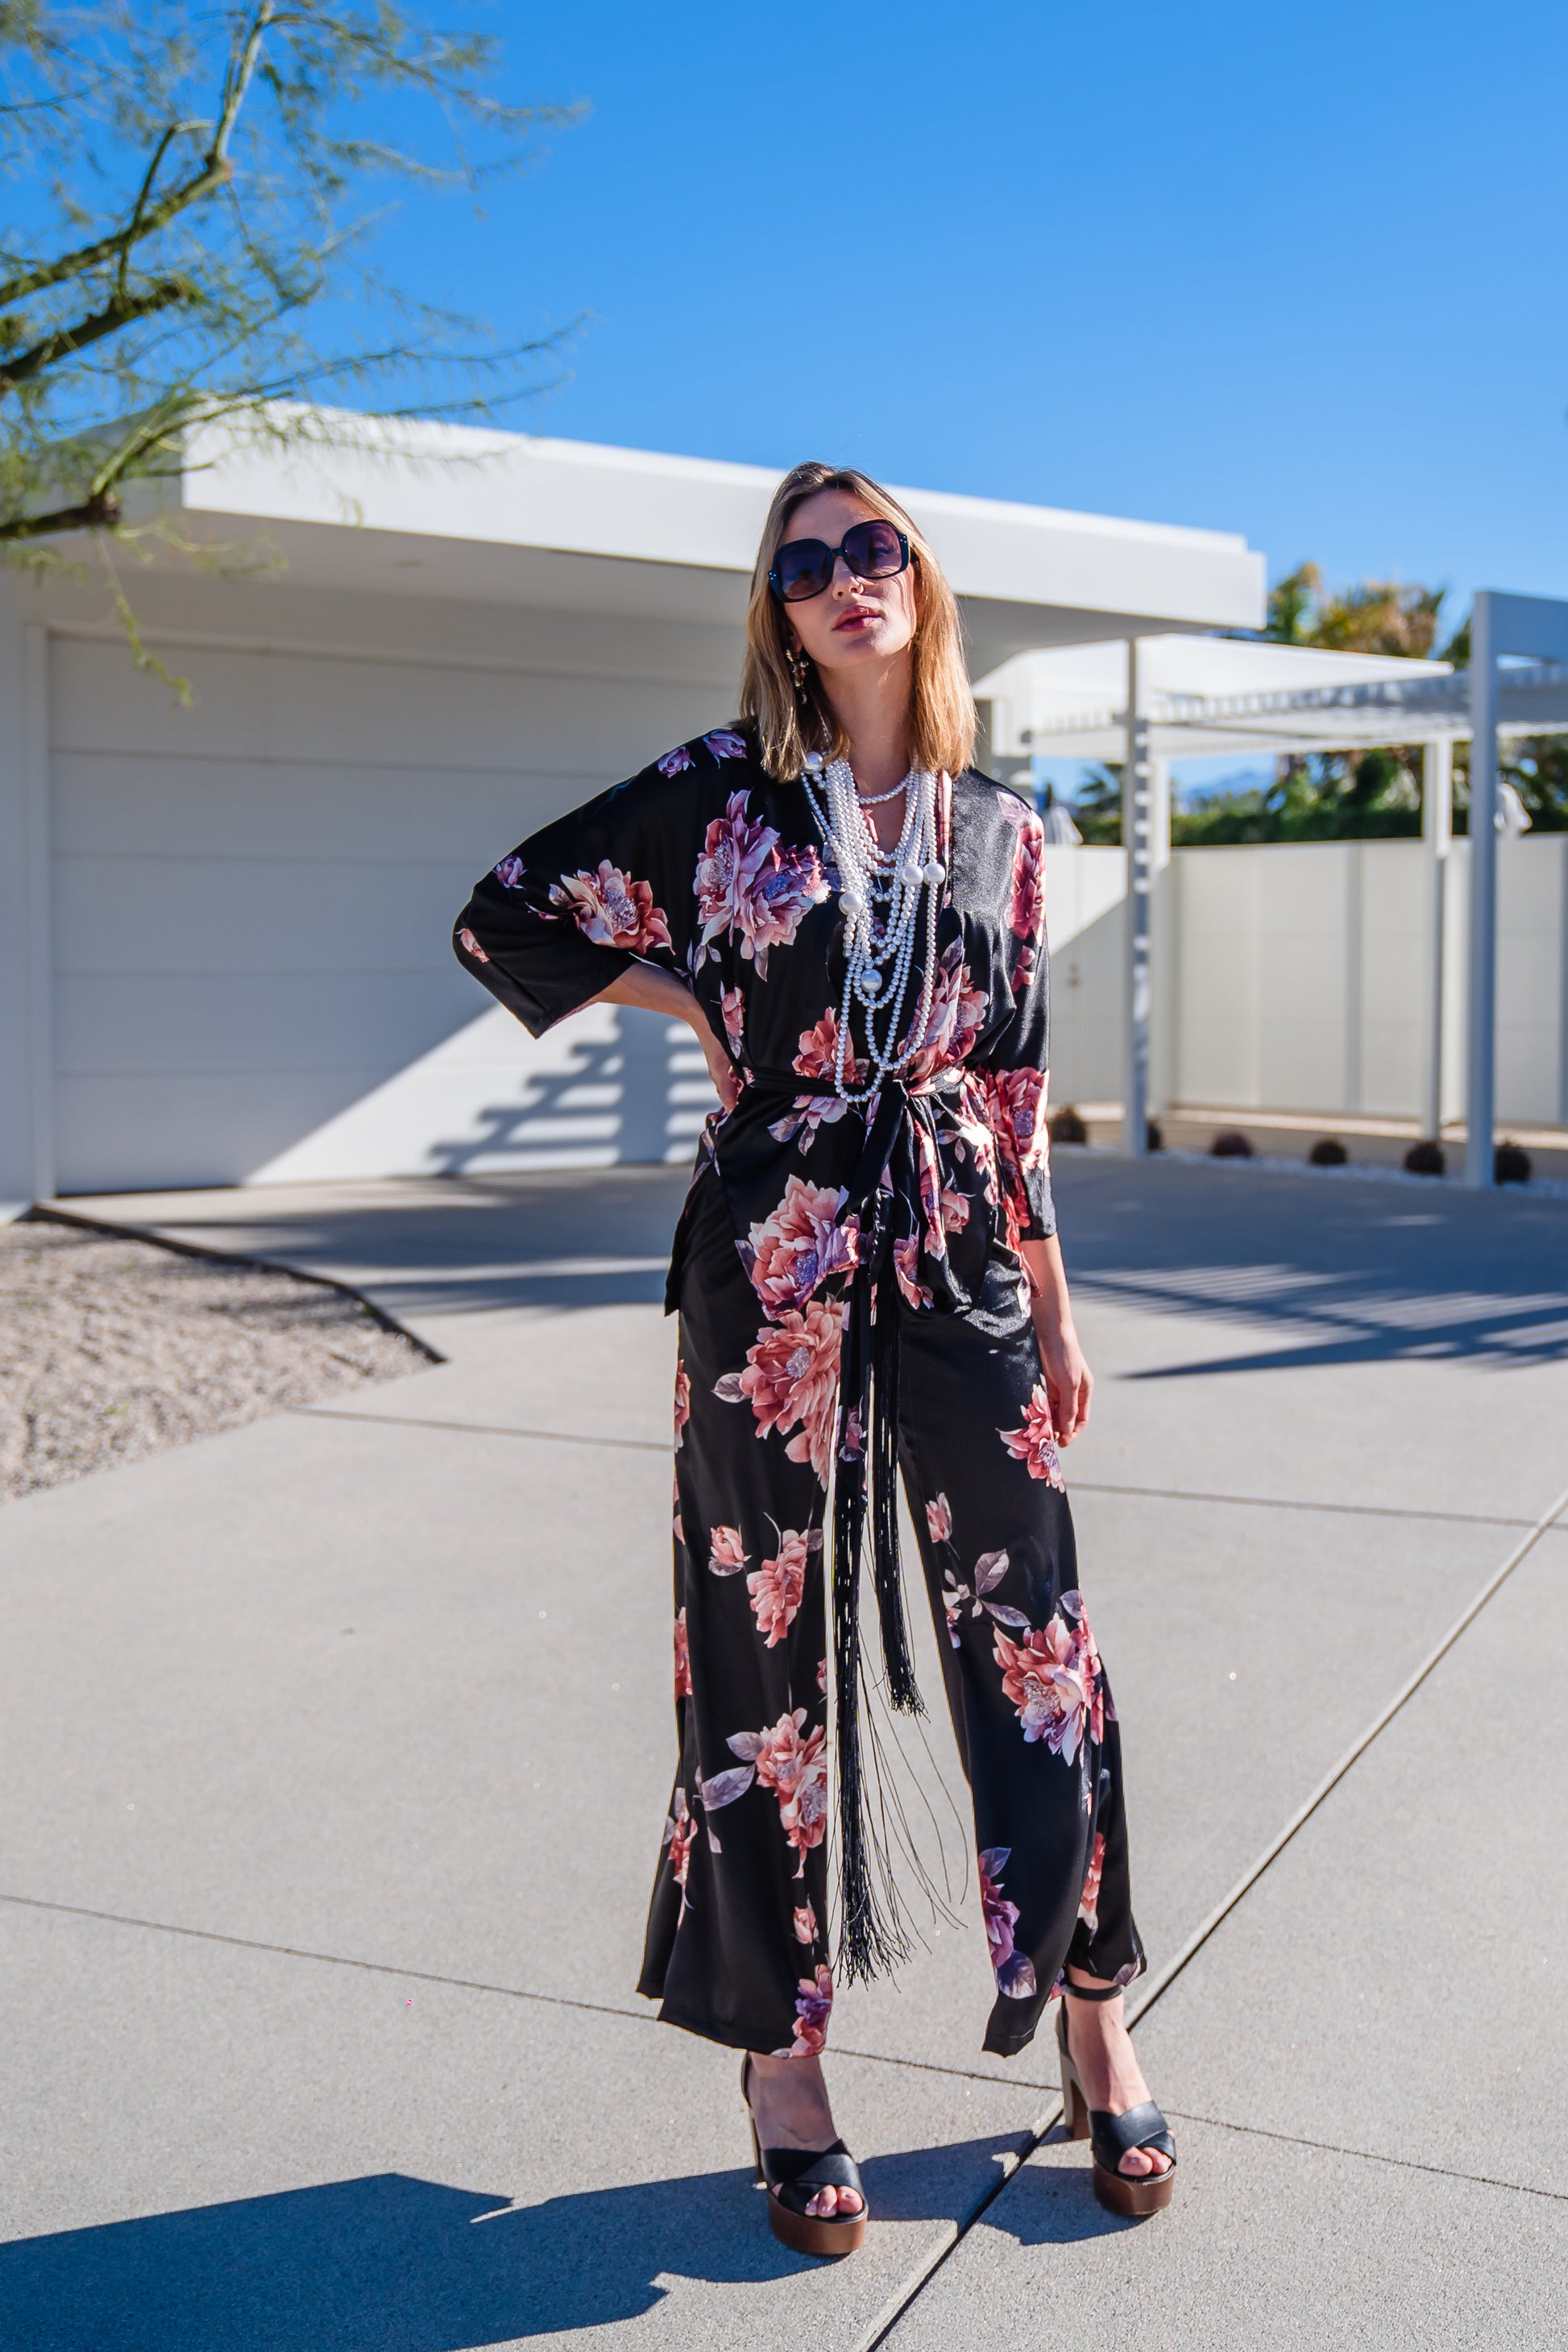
(853,622)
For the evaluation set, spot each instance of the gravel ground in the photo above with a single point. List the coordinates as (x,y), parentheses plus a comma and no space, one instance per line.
(111,1351)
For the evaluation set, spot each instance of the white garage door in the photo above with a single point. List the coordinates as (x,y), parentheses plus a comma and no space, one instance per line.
(252,905)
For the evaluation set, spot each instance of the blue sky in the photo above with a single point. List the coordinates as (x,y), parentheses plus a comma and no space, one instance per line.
(1299,277)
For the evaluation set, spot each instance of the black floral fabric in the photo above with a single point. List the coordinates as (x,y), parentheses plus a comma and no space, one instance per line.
(814,1232)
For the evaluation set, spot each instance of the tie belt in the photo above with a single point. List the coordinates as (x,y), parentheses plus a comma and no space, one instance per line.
(871,1934)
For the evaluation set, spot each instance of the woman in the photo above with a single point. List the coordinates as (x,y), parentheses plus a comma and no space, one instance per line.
(852,922)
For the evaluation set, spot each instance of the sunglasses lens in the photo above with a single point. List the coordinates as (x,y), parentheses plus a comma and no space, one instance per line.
(874,550)
(803,567)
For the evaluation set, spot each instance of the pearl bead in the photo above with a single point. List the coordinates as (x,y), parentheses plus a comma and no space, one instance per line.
(852,902)
(934,873)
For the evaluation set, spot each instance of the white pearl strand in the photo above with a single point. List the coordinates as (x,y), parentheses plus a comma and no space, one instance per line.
(881,897)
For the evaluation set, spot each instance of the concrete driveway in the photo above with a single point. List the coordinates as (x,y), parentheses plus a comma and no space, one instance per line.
(336,1750)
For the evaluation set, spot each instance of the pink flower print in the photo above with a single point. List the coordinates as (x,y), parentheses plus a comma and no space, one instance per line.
(790,1381)
(795,1769)
(747,886)
(854,1443)
(679,1836)
(805,1923)
(930,1189)
(906,1266)
(812,2007)
(1028,911)
(682,1402)
(1014,1972)
(674,762)
(810,1112)
(818,1052)
(1035,1442)
(612,909)
(789,1254)
(470,946)
(725,744)
(1020,1096)
(778,1587)
(732,1006)
(510,873)
(955,1207)
(957,1010)
(676,1522)
(682,1659)
(938,1520)
(1089,1901)
(822,1675)
(726,1553)
(1052,1679)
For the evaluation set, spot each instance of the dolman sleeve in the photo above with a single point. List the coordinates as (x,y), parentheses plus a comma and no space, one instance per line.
(564,914)
(1016,1063)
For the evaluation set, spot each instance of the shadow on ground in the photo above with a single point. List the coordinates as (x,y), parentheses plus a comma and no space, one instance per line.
(1350,1270)
(390,2264)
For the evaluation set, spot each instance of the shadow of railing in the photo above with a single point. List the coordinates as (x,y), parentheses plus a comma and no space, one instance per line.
(1344,1270)
(637,1097)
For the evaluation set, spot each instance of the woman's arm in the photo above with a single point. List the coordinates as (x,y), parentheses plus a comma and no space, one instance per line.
(654,991)
(1069,1383)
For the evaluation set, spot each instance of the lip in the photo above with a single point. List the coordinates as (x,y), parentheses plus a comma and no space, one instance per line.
(857,616)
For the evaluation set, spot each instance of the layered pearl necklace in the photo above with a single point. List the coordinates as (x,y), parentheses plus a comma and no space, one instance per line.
(879,894)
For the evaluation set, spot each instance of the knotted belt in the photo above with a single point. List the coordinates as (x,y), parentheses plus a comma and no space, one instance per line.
(871,1935)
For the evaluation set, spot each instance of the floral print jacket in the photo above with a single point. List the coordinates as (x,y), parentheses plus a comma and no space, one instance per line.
(705,867)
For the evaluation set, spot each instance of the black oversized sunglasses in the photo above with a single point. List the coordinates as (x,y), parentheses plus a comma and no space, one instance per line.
(803,567)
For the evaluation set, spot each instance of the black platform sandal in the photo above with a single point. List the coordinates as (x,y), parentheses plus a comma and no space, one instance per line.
(795,2175)
(1110,2137)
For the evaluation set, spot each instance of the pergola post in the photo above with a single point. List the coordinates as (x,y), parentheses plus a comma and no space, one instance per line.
(1135,782)
(1480,1022)
(1436,833)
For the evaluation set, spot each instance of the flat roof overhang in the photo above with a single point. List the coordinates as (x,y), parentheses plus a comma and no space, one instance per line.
(475,516)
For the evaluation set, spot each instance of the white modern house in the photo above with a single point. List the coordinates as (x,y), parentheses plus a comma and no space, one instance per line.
(224,928)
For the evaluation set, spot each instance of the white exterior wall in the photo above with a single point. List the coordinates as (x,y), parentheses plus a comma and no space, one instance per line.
(252,899)
(238,969)
(1299,977)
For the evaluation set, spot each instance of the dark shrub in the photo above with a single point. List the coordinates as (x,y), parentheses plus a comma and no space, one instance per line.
(1328,1153)
(1425,1159)
(1230,1144)
(1511,1165)
(1067,1128)
(1156,1139)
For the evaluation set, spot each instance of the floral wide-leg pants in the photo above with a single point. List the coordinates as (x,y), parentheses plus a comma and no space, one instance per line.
(737,1946)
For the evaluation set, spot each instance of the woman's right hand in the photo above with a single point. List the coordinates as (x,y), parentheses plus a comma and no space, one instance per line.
(721,1068)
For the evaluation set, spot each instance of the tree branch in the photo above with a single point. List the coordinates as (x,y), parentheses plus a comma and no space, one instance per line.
(118,312)
(100,512)
(146,220)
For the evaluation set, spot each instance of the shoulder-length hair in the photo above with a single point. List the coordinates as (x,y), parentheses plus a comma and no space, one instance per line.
(792,721)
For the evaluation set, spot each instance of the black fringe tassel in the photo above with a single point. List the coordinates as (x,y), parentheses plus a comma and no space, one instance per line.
(872,1940)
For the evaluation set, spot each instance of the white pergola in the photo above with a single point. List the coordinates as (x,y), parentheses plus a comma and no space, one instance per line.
(1148,701)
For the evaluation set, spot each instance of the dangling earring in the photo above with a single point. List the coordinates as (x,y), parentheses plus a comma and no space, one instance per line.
(799,664)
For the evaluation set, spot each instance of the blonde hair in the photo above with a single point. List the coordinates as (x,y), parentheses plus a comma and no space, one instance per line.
(792,721)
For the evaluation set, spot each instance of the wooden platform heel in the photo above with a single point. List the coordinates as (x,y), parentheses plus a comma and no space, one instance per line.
(793,2176)
(1110,2137)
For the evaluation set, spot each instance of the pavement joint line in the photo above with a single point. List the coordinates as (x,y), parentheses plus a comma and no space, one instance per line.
(1368,2155)
(1081,1486)
(1161,1982)
(893,2311)
(462,1984)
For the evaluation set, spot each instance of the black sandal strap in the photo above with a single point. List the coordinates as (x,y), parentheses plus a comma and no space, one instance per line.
(799,2173)
(1115,2136)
